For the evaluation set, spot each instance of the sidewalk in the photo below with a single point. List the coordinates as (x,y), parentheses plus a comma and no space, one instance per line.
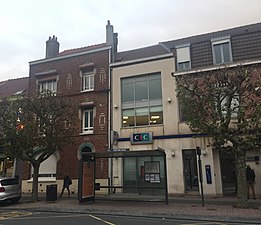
(215,209)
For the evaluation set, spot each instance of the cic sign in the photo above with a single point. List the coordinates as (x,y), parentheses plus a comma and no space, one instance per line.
(141,138)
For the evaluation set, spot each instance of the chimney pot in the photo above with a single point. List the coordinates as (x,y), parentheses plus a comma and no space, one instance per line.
(52,47)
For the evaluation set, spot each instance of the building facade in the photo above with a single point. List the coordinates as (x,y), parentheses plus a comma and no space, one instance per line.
(12,89)
(146,114)
(82,75)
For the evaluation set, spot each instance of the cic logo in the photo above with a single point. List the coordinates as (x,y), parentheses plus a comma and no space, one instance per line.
(141,138)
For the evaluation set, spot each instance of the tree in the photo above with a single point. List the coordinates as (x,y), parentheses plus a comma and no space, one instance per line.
(34,128)
(225,104)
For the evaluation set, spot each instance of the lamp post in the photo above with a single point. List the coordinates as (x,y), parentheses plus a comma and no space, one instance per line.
(200,174)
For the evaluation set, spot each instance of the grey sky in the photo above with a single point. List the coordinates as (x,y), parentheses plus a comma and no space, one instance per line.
(26,24)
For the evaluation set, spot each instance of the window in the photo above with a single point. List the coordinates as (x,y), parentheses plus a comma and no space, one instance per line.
(88,81)
(47,170)
(87,121)
(222,52)
(142,100)
(47,85)
(230,103)
(183,57)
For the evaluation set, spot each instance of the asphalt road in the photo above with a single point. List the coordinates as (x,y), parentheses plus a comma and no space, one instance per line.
(33,218)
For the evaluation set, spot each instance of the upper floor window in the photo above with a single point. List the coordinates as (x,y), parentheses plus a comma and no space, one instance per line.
(142,100)
(87,121)
(88,81)
(222,52)
(183,57)
(47,86)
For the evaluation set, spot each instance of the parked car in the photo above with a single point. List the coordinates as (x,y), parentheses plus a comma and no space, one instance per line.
(10,190)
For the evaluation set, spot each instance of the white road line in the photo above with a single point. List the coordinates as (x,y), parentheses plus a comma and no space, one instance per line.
(104,221)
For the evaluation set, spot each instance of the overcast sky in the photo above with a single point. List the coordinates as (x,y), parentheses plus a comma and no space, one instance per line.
(25,25)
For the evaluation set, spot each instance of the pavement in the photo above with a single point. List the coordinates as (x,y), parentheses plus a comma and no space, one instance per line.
(188,207)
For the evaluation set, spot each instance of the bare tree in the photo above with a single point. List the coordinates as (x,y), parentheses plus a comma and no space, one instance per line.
(34,128)
(225,104)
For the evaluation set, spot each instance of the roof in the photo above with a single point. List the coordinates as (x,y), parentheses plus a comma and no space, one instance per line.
(204,37)
(82,49)
(244,40)
(14,87)
(150,51)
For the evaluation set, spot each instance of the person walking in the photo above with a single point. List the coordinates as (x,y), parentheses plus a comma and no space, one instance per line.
(250,177)
(66,184)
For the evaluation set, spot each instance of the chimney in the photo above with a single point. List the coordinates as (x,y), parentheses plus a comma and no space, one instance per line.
(111,38)
(52,47)
(109,34)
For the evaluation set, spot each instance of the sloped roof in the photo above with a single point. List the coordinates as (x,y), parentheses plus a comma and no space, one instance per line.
(150,51)
(204,37)
(14,87)
(82,49)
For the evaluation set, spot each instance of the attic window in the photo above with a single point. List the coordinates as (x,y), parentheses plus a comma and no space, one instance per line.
(183,57)
(221,49)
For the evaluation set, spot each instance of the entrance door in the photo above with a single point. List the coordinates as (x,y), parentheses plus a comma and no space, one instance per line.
(86,177)
(190,170)
(228,174)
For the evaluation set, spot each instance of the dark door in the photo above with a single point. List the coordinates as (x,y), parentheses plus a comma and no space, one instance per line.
(190,170)
(228,174)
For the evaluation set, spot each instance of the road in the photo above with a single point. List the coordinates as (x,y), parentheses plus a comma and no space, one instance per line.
(32,218)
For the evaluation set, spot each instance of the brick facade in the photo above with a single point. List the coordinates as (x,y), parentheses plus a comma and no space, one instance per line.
(68,65)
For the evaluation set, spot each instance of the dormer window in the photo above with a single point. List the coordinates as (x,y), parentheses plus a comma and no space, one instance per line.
(183,57)
(221,48)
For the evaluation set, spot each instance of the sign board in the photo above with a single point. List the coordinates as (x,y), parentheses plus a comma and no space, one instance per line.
(152,171)
(141,138)
(208,174)
(120,150)
(114,137)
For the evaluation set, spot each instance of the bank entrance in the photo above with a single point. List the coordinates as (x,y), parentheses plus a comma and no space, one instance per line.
(144,175)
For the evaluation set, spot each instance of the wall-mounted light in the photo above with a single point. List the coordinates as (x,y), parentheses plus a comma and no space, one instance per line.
(173,153)
(116,106)
(169,100)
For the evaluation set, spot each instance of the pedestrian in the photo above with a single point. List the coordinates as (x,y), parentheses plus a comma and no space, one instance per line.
(66,184)
(250,177)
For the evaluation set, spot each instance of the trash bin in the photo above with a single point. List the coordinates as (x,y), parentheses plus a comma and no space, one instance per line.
(51,192)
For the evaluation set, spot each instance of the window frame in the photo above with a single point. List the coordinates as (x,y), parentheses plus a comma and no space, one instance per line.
(183,57)
(90,75)
(134,106)
(221,42)
(54,83)
(89,129)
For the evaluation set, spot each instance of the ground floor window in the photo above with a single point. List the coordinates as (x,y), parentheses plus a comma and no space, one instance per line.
(48,168)
(144,175)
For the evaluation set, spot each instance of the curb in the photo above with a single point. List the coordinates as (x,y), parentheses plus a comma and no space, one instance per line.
(118,212)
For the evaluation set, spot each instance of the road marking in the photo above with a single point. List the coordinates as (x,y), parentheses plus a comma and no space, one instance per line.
(206,223)
(13,214)
(104,221)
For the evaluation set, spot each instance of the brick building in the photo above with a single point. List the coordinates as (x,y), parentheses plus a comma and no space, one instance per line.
(81,74)
(12,89)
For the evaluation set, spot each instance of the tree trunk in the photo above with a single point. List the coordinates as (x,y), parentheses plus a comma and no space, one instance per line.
(241,179)
(34,196)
